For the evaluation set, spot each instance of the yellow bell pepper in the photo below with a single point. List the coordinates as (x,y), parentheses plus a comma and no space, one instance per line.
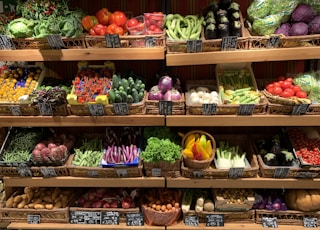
(188,153)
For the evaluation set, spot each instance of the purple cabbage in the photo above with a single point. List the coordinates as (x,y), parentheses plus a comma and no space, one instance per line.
(314,25)
(283,29)
(298,28)
(302,13)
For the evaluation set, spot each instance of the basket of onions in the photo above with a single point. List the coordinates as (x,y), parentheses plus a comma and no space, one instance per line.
(165,90)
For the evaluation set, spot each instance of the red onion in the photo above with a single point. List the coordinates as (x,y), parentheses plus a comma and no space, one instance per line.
(172,95)
(165,84)
(155,93)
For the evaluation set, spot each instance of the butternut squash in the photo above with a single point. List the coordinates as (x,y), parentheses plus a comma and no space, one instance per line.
(303,199)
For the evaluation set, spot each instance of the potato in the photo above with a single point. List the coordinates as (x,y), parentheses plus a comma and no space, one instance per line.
(9,202)
(28,190)
(47,199)
(17,199)
(31,205)
(49,206)
(58,204)
(21,204)
(39,206)
(14,205)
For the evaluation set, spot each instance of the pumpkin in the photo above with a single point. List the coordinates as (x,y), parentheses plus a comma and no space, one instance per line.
(303,199)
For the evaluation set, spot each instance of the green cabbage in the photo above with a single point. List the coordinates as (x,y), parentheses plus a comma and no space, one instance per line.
(284,7)
(309,82)
(267,25)
(20,28)
(259,9)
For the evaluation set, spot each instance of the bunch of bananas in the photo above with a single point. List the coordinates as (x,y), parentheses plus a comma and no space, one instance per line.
(197,147)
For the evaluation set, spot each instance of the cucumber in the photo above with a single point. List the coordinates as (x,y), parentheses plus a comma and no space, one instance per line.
(118,98)
(123,96)
(116,81)
(112,96)
(129,90)
(129,99)
(142,86)
(135,95)
(125,83)
(141,95)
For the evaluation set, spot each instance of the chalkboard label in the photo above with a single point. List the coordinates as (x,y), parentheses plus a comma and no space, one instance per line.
(281,172)
(34,219)
(24,171)
(96,109)
(55,41)
(300,109)
(6,43)
(135,219)
(229,43)
(93,173)
(214,220)
(156,172)
(194,46)
(236,172)
(48,172)
(150,41)
(273,42)
(122,173)
(165,107)
(197,174)
(15,110)
(245,109)
(307,174)
(209,109)
(45,109)
(121,108)
(110,218)
(83,217)
(310,222)
(269,222)
(191,220)
(113,41)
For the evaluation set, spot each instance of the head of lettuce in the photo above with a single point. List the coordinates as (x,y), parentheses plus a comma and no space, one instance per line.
(20,28)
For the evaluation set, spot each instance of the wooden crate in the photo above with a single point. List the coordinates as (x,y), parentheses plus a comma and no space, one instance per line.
(178,107)
(289,217)
(115,172)
(162,168)
(229,217)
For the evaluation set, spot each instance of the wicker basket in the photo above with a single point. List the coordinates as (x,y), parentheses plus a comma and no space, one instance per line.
(195,164)
(162,168)
(229,217)
(128,41)
(289,217)
(153,217)
(178,107)
(122,171)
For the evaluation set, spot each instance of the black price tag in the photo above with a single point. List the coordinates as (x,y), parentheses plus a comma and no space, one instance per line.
(194,46)
(236,172)
(79,217)
(48,172)
(122,173)
(165,107)
(197,174)
(135,219)
(245,109)
(55,41)
(281,172)
(191,220)
(214,220)
(307,174)
(156,172)
(15,110)
(33,219)
(24,171)
(121,108)
(110,218)
(96,109)
(209,109)
(269,222)
(150,41)
(310,222)
(113,41)
(6,43)
(93,173)
(229,43)
(45,109)
(300,109)
(273,42)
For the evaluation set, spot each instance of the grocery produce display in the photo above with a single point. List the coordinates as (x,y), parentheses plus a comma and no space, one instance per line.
(108,153)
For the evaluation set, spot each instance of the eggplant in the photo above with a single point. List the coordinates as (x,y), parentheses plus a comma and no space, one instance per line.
(275,148)
(210,14)
(221,13)
(211,32)
(285,158)
(210,21)
(270,159)
(235,16)
(223,20)
(225,4)
(236,29)
(234,7)
(224,30)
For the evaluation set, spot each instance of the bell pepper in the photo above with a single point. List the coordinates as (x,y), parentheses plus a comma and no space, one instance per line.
(188,153)
(197,155)
(202,151)
(89,22)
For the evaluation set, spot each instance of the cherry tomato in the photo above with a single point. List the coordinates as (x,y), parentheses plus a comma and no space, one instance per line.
(152,28)
(132,22)
(277,90)
(301,94)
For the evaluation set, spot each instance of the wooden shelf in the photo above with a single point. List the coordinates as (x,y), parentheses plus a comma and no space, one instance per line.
(234,120)
(68,181)
(236,56)
(57,226)
(76,121)
(292,183)
(156,53)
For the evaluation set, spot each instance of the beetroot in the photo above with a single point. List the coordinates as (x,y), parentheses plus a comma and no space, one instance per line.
(302,13)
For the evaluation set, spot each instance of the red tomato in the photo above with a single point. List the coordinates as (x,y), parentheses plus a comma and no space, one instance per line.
(119,30)
(140,26)
(296,88)
(286,84)
(276,84)
(269,86)
(132,22)
(289,91)
(111,28)
(103,16)
(119,18)
(289,79)
(100,29)
(152,28)
(157,30)
(270,90)
(277,90)
(301,94)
